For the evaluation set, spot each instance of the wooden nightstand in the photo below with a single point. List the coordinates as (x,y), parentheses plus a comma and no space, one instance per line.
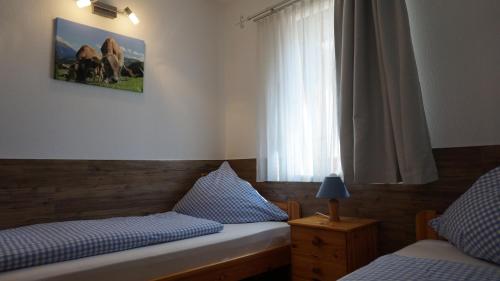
(324,250)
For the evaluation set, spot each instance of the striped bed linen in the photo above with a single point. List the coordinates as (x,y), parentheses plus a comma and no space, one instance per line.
(396,268)
(61,241)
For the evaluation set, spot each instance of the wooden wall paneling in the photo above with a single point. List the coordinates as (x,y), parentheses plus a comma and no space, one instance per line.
(395,205)
(35,191)
(490,157)
(246,169)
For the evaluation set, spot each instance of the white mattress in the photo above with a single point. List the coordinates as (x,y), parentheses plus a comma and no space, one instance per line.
(441,250)
(163,259)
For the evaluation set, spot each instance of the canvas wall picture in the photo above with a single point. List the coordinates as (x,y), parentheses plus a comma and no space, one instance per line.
(93,56)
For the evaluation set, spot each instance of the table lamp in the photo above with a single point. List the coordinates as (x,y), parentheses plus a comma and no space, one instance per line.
(333,188)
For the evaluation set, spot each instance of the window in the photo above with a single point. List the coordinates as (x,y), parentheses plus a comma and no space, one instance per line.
(298,134)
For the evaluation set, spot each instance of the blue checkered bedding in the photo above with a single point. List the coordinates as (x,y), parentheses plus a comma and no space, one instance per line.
(55,242)
(397,268)
(222,196)
(472,222)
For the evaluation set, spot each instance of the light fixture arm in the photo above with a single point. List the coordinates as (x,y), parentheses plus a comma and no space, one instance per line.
(125,11)
(106,10)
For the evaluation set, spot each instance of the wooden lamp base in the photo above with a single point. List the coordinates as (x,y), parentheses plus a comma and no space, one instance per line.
(333,206)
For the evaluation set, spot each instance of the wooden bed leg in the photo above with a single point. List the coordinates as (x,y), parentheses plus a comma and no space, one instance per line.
(423,230)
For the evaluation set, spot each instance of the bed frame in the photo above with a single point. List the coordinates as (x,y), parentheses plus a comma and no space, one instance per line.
(423,230)
(244,266)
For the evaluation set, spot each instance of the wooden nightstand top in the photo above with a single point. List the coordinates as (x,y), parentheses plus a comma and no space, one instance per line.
(346,224)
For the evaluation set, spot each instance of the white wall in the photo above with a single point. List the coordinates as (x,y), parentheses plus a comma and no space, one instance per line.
(239,81)
(457,46)
(179,116)
(200,85)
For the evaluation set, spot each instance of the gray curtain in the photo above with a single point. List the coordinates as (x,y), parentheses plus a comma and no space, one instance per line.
(383,130)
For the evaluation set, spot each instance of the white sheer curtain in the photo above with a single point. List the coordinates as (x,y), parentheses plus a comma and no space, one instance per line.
(298,134)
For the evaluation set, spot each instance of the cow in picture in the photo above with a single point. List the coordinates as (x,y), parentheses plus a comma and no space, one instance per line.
(112,59)
(88,64)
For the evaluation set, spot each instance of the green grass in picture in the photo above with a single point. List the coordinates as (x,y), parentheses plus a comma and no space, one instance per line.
(131,84)
(134,84)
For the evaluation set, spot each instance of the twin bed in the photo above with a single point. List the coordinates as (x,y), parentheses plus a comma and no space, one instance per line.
(238,251)
(212,245)
(222,229)
(463,243)
(431,259)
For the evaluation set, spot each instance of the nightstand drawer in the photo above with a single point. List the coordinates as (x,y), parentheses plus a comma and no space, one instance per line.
(324,250)
(318,243)
(316,269)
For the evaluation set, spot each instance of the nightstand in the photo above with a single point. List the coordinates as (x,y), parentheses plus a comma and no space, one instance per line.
(325,250)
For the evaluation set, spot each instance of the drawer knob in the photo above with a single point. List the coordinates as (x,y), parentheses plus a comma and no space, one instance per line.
(316,241)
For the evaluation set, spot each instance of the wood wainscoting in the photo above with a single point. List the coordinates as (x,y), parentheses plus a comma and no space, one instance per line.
(34,191)
(394,205)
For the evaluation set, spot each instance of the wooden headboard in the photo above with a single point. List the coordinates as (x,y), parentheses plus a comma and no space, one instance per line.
(422,229)
(291,207)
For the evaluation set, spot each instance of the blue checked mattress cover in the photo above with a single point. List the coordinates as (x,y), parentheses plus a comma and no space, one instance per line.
(61,241)
(402,268)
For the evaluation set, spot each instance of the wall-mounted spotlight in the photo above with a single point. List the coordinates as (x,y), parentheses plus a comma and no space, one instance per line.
(131,15)
(106,10)
(83,3)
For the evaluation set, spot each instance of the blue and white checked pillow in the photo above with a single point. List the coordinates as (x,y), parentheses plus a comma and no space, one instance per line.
(472,222)
(222,196)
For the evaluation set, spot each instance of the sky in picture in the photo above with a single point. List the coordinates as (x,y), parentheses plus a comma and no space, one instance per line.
(76,35)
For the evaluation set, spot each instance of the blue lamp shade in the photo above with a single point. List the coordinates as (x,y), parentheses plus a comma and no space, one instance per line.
(333,188)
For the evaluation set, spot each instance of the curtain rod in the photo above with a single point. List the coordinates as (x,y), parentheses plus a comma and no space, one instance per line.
(266,12)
